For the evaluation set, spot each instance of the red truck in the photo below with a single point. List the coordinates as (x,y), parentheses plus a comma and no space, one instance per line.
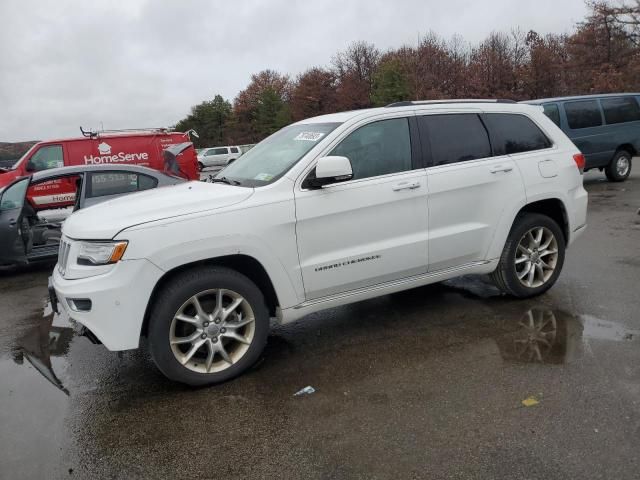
(149,148)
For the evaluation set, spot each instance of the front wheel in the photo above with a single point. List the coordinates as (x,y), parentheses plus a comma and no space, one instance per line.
(200,166)
(619,167)
(207,326)
(532,257)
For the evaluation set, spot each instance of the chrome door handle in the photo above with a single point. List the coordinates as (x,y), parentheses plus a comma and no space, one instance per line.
(406,186)
(500,168)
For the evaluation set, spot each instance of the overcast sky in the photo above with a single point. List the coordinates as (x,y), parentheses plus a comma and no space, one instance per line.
(140,63)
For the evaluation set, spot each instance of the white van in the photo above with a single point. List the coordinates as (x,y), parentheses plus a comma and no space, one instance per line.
(217,156)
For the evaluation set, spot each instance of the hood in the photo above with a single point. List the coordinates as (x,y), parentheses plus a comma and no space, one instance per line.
(7,176)
(105,220)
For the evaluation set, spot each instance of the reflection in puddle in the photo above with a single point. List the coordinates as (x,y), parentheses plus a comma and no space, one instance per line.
(40,344)
(539,335)
(549,336)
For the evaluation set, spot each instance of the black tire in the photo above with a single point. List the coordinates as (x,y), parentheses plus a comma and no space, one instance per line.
(170,299)
(505,276)
(200,166)
(231,161)
(619,167)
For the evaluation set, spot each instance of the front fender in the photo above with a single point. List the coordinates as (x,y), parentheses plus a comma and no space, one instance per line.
(265,233)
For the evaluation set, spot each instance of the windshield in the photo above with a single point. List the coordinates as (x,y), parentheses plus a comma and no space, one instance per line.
(15,165)
(275,155)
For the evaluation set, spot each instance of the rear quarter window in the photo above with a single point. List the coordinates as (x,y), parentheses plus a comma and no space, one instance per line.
(514,133)
(620,110)
(583,114)
(552,111)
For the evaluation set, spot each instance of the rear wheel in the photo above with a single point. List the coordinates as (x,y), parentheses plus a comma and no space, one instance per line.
(532,257)
(207,326)
(620,166)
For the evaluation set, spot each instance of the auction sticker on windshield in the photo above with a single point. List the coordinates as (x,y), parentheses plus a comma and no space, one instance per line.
(309,136)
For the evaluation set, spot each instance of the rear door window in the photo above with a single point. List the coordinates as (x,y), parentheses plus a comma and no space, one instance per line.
(514,133)
(220,151)
(583,114)
(117,183)
(552,111)
(234,149)
(620,110)
(455,137)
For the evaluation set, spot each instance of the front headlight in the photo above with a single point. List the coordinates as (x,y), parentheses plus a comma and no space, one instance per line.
(100,253)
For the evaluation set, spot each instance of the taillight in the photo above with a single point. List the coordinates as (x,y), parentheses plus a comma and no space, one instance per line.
(579,159)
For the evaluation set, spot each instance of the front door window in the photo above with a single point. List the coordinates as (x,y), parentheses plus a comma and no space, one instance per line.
(13,197)
(49,156)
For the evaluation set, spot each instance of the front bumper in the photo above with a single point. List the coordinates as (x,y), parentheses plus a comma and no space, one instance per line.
(119,300)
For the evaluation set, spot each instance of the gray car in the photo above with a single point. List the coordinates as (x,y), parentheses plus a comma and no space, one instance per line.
(27,235)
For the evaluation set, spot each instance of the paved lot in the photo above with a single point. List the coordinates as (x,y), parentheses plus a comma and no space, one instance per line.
(423,384)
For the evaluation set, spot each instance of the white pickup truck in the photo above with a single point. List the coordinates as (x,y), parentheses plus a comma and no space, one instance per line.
(327,211)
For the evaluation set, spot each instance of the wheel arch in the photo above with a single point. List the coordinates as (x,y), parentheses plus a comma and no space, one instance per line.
(244,264)
(629,148)
(553,208)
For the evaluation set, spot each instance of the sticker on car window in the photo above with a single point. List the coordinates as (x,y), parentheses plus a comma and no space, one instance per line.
(265,177)
(309,136)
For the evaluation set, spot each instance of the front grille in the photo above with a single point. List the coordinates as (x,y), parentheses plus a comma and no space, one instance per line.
(63,256)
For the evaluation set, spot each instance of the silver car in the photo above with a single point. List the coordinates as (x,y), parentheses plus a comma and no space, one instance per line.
(27,235)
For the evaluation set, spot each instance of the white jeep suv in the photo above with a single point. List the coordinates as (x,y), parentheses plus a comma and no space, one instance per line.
(327,211)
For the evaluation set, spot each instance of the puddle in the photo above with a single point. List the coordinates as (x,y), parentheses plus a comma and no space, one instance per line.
(552,336)
(42,343)
(44,347)
(540,334)
(599,329)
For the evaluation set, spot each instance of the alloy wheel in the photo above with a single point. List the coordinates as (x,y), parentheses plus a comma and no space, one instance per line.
(212,330)
(622,165)
(536,257)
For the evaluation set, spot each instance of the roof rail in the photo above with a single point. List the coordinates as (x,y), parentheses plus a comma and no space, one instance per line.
(92,134)
(408,103)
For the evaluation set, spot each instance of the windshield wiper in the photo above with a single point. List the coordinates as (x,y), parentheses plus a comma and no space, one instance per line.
(226,180)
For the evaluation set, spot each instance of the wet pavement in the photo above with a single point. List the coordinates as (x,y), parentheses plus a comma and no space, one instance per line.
(427,383)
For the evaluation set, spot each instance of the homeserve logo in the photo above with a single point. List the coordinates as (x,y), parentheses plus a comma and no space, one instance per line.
(105,156)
